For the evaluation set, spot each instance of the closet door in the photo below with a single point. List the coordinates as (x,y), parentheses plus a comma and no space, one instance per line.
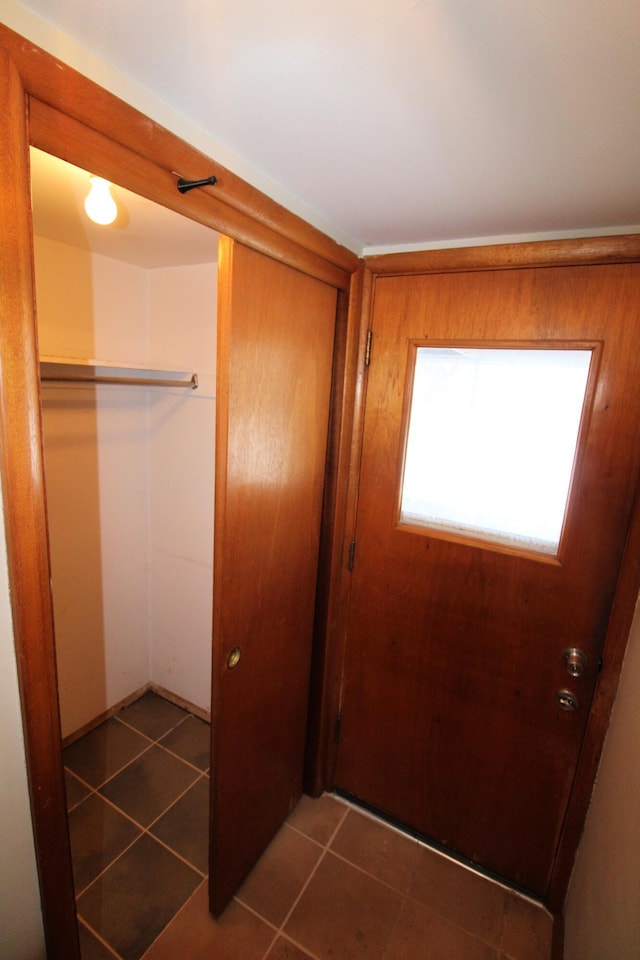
(275,350)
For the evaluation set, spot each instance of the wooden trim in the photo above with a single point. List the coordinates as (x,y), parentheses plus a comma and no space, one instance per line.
(506,256)
(26,529)
(561,253)
(72,95)
(615,644)
(178,701)
(557,938)
(67,138)
(345,507)
(73,118)
(323,700)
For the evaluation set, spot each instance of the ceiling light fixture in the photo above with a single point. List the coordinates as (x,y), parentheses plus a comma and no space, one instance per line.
(100,205)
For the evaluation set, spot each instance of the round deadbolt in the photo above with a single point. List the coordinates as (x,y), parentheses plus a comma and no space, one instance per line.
(567,701)
(234,658)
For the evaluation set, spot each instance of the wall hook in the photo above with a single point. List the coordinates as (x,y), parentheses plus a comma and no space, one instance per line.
(185,185)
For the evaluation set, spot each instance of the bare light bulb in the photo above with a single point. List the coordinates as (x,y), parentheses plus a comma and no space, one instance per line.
(100,205)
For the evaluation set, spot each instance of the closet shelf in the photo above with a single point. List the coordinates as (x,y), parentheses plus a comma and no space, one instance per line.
(76,370)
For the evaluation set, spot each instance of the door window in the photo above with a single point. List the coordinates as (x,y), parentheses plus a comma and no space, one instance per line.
(491,441)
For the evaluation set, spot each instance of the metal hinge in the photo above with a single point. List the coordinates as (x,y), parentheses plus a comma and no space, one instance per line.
(367,349)
(352,555)
(337,728)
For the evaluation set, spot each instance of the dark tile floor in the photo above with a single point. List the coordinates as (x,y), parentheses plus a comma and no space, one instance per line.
(335,884)
(138,798)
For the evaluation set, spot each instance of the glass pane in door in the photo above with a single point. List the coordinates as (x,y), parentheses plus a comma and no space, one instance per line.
(492,441)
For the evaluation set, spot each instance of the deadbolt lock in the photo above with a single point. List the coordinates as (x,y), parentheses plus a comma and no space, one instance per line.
(575,662)
(567,701)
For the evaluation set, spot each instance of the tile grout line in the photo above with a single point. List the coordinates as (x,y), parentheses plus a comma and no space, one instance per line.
(143,830)
(99,938)
(95,791)
(312,873)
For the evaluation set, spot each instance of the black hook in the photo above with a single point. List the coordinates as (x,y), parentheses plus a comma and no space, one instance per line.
(185,185)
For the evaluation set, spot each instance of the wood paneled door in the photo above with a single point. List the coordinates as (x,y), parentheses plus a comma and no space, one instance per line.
(461,716)
(275,356)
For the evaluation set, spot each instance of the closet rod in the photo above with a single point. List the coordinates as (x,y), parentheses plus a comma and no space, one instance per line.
(192,382)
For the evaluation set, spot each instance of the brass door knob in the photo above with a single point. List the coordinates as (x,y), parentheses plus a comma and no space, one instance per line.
(234,658)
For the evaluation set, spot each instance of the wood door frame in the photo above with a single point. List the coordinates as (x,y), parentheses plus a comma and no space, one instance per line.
(558,253)
(51,106)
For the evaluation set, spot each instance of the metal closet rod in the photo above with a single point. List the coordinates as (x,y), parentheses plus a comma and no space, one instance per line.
(192,382)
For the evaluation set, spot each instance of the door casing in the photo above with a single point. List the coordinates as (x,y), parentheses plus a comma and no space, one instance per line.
(46,104)
(539,254)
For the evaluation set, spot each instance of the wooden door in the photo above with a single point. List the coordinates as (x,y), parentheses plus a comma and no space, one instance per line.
(451,720)
(275,351)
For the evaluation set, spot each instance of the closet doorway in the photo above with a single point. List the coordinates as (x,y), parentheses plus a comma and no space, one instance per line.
(129,467)
(124,312)
(275,373)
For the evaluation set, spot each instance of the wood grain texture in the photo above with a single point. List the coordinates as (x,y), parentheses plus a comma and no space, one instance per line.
(275,341)
(26,528)
(78,143)
(455,652)
(328,655)
(604,696)
(57,85)
(542,253)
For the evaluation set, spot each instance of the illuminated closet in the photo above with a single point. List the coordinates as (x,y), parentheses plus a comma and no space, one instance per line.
(128,464)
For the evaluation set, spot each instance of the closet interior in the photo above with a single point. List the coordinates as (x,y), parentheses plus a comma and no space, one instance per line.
(127,330)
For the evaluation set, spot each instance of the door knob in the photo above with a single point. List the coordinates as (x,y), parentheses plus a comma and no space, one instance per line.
(234,658)
(575,661)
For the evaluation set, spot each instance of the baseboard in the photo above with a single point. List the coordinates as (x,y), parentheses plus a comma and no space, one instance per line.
(106,715)
(199,712)
(181,702)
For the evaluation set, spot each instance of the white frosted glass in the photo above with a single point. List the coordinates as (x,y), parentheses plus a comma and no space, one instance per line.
(492,441)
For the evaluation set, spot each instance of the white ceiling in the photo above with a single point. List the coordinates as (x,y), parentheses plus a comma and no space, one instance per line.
(400,121)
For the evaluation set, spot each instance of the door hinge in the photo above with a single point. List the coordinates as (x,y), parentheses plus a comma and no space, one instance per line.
(367,349)
(352,554)
(337,728)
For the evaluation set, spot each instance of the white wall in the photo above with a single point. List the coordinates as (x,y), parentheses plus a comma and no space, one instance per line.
(21,933)
(96,466)
(129,474)
(602,919)
(182,334)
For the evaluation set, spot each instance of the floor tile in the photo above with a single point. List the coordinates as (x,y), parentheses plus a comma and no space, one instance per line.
(191,740)
(152,715)
(344,913)
(90,947)
(185,826)
(420,933)
(98,835)
(463,897)
(383,852)
(147,786)
(76,791)
(194,935)
(285,950)
(130,904)
(527,930)
(274,884)
(104,751)
(318,818)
